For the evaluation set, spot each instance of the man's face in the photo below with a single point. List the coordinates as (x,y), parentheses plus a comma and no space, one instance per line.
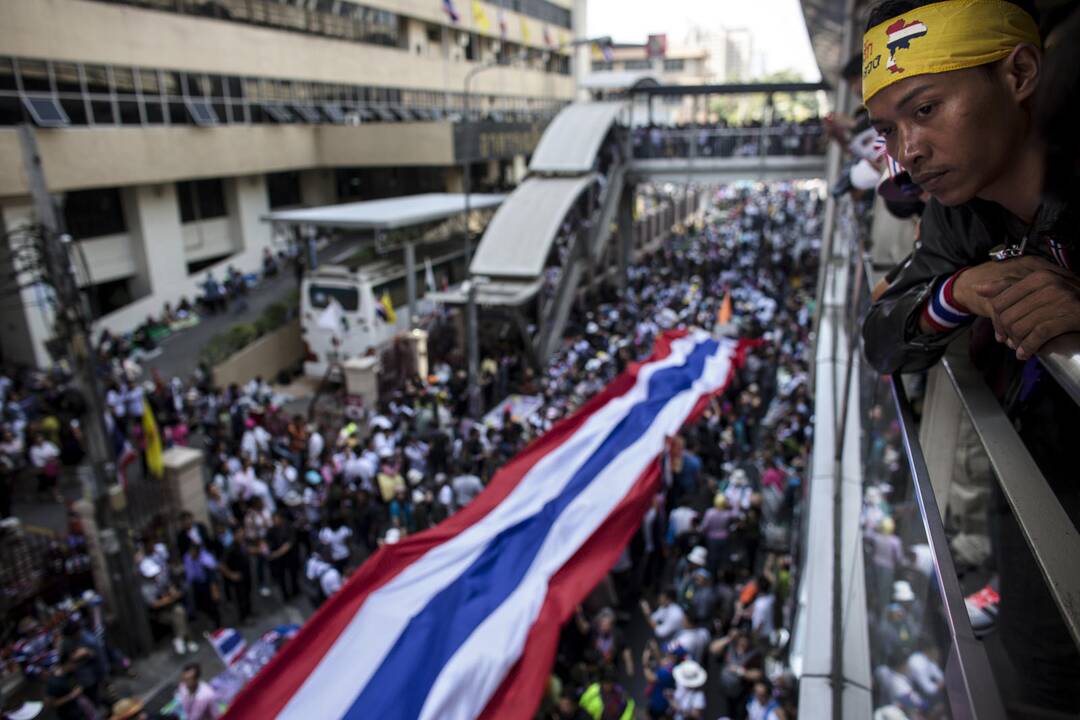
(190,680)
(955,132)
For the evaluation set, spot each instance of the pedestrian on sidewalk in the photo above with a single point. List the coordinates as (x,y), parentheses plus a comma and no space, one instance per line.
(45,457)
(257,521)
(236,569)
(165,603)
(284,555)
(197,698)
(200,569)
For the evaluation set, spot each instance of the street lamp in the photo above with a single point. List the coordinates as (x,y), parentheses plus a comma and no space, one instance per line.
(472,326)
(466,178)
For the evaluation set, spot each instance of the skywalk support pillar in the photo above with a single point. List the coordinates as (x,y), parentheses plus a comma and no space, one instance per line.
(626,233)
(410,280)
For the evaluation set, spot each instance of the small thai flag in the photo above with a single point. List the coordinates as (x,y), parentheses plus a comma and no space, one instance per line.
(895,168)
(448,8)
(229,644)
(878,147)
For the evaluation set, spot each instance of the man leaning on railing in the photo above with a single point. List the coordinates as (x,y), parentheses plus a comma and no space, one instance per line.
(952,86)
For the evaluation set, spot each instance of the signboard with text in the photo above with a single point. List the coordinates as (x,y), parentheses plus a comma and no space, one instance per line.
(487,140)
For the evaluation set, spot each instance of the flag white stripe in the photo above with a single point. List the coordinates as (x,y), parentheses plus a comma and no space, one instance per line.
(938,319)
(946,304)
(371,634)
(907,32)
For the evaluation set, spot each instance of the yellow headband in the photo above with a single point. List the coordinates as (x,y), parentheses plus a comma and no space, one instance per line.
(944,36)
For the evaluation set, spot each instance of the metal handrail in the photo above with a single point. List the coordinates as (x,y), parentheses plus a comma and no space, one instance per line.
(968,665)
(1047,529)
(1061,358)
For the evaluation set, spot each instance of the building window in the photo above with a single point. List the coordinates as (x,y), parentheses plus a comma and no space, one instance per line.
(602,66)
(87,94)
(201,200)
(93,213)
(674,65)
(637,65)
(109,296)
(283,189)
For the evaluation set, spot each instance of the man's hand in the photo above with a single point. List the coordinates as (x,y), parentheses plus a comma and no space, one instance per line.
(1033,309)
(993,277)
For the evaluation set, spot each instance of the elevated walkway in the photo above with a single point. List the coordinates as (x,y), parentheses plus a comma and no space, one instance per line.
(727,169)
(511,258)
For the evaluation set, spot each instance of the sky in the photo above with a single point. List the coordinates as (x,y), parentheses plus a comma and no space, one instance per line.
(777,25)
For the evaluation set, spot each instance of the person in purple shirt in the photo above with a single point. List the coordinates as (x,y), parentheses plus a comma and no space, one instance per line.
(716,526)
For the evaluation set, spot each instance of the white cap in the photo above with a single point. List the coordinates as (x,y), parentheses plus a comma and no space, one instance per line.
(149,568)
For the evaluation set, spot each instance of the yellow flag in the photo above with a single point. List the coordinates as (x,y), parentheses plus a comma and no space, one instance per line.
(524,30)
(388,306)
(155,461)
(480,18)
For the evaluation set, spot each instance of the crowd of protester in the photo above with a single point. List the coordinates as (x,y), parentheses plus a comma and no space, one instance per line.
(294,506)
(694,615)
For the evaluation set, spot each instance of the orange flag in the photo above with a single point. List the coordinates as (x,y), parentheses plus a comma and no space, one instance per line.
(723,316)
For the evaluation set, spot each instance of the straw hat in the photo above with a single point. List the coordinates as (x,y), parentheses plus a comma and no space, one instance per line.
(126,709)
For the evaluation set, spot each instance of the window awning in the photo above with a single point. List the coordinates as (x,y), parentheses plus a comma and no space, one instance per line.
(386,214)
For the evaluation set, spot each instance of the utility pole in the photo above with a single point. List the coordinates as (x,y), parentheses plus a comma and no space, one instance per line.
(73,327)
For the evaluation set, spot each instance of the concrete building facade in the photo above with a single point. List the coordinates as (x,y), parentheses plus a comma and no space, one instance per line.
(167,128)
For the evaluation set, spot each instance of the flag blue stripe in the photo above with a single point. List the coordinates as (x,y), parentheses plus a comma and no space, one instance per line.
(399,688)
(942,311)
(228,643)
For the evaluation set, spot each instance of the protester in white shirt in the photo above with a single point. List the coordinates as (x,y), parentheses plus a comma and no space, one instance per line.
(335,537)
(315,448)
(688,701)
(324,575)
(925,672)
(667,619)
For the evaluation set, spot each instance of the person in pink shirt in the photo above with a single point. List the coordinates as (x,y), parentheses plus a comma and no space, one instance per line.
(197,698)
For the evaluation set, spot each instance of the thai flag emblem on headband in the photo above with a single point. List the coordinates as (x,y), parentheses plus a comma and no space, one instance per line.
(462,620)
(900,35)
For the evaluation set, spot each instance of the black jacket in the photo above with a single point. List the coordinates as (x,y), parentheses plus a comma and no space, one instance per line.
(951,239)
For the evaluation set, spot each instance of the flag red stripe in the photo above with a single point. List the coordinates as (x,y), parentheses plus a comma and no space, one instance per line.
(268,693)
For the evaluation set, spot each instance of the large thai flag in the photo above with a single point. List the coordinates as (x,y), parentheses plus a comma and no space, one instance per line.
(462,621)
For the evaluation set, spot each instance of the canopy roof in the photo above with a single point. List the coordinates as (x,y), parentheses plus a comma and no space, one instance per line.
(386,214)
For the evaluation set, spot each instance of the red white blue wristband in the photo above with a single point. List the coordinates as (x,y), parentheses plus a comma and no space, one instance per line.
(942,311)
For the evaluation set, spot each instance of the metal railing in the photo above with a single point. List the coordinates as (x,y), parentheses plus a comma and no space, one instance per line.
(974,686)
(790,140)
(1051,535)
(1061,357)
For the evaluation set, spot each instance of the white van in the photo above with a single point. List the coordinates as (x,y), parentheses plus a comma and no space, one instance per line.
(340,316)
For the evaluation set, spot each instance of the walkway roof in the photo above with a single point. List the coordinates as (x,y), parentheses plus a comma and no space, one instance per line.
(518,239)
(386,214)
(510,293)
(571,141)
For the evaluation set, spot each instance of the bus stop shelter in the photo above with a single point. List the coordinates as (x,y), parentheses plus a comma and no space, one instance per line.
(381,216)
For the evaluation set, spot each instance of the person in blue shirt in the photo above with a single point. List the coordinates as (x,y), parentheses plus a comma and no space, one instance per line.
(658,675)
